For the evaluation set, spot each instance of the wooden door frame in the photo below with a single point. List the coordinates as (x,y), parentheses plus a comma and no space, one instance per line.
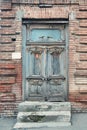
(45,21)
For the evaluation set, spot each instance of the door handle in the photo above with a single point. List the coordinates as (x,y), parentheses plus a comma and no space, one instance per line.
(56,78)
(35,78)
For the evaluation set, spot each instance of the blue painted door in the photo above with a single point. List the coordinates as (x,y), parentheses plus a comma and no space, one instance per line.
(45,63)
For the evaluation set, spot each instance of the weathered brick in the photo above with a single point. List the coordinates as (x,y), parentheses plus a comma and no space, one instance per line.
(81,65)
(19,73)
(81,31)
(82,2)
(81,80)
(7,65)
(7,80)
(83,7)
(81,98)
(72,96)
(7,31)
(81,15)
(79,106)
(36,12)
(83,89)
(7,48)
(81,73)
(5,97)
(7,72)
(5,39)
(83,23)
(46,1)
(5,56)
(5,22)
(83,57)
(1,108)
(5,88)
(6,6)
(83,39)
(7,14)
(82,48)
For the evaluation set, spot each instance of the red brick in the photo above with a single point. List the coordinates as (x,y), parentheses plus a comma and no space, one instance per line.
(83,57)
(81,31)
(5,22)
(77,97)
(83,23)
(81,80)
(79,107)
(46,1)
(19,73)
(82,2)
(5,6)
(83,7)
(72,96)
(81,73)
(35,12)
(81,15)
(7,72)
(7,65)
(7,48)
(81,98)
(7,14)
(7,97)
(83,39)
(7,31)
(7,80)
(5,55)
(5,39)
(83,89)
(82,48)
(81,65)
(5,88)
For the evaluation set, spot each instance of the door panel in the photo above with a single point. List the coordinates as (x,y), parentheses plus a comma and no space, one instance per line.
(55,64)
(45,33)
(45,81)
(46,64)
(35,73)
(56,78)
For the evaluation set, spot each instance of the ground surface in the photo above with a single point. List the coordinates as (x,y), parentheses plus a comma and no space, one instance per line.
(79,122)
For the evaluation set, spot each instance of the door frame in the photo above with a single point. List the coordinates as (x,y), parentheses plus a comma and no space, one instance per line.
(45,21)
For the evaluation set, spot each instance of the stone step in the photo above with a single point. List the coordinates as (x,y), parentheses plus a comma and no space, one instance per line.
(28,106)
(27,126)
(44,116)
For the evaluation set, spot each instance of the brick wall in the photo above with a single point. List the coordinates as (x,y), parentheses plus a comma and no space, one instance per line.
(11,14)
(10,70)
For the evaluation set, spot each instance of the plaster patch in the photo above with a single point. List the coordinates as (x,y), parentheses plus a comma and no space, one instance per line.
(19,15)
(16,55)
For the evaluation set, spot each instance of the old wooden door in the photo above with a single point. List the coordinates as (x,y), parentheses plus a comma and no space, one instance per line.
(45,62)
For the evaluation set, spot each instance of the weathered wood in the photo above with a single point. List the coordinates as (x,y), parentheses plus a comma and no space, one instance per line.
(45,58)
